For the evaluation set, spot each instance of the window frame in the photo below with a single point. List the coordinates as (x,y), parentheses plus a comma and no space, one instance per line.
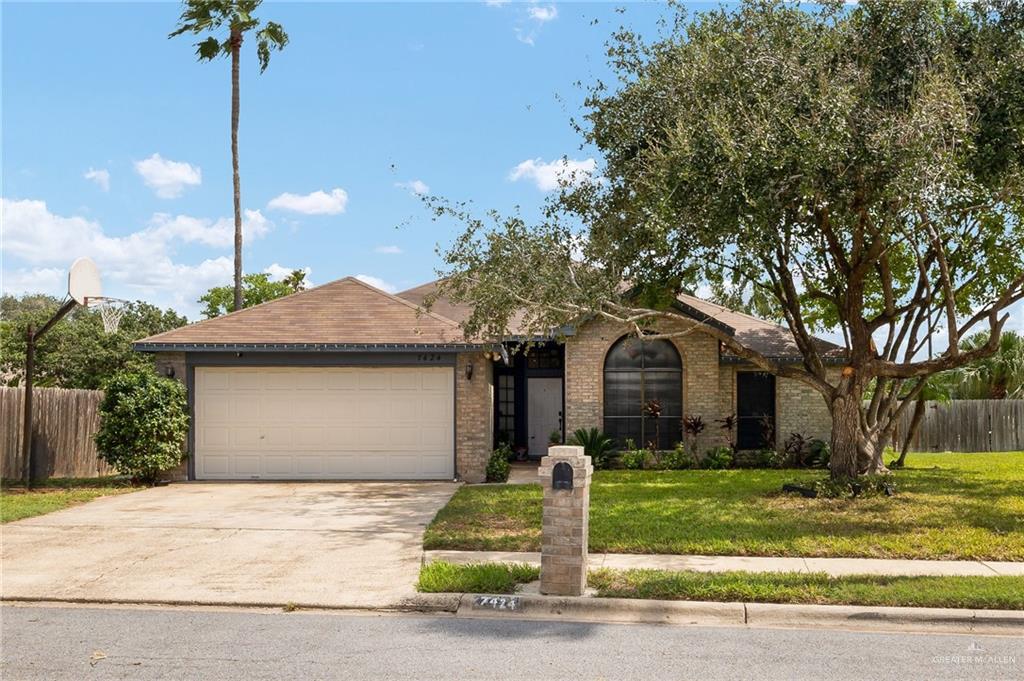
(670,425)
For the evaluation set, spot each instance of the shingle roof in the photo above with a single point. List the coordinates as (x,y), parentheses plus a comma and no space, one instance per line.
(343,312)
(768,338)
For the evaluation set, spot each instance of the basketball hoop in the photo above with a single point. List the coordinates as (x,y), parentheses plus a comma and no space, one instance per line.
(111,310)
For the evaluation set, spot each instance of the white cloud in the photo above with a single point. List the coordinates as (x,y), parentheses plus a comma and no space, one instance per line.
(388,250)
(542,14)
(548,175)
(41,280)
(416,187)
(220,233)
(496,3)
(139,265)
(100,177)
(168,178)
(279,272)
(316,203)
(377,282)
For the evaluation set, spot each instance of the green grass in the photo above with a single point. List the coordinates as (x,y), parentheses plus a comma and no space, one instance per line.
(54,495)
(1003,593)
(502,578)
(949,506)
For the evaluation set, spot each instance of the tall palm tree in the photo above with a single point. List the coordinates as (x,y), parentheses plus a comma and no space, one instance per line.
(201,16)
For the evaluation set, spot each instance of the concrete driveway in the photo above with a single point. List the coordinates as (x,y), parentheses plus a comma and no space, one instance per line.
(353,544)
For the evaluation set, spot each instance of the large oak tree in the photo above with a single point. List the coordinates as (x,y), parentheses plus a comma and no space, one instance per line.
(859,168)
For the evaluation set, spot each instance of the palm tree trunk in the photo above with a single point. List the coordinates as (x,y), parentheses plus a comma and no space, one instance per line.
(236,47)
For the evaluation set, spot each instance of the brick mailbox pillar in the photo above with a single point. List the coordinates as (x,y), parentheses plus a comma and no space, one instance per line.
(565,476)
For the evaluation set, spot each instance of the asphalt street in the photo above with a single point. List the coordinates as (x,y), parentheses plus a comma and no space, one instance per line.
(85,642)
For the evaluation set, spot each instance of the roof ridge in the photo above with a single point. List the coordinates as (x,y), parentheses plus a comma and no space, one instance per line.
(246,309)
(407,303)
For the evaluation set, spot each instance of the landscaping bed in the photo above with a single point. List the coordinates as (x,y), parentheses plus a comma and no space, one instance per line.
(996,592)
(47,496)
(948,506)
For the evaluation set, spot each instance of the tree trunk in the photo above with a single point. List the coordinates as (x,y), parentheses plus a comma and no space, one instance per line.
(915,425)
(846,437)
(236,47)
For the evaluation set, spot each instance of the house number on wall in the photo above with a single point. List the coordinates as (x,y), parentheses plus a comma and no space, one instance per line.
(429,357)
(497,602)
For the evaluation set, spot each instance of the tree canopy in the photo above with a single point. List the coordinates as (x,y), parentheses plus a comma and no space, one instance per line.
(237,16)
(851,167)
(77,352)
(256,288)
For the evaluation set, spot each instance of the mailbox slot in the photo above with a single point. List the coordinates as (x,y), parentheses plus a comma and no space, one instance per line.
(561,476)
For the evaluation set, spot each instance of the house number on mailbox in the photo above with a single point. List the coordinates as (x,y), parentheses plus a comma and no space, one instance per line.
(561,476)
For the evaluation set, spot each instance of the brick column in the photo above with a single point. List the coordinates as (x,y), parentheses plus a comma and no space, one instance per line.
(566,523)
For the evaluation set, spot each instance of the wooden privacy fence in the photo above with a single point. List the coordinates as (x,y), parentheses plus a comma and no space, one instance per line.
(63,427)
(968,426)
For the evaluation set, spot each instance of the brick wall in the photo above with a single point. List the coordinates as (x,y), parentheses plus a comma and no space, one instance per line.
(802,409)
(474,416)
(584,376)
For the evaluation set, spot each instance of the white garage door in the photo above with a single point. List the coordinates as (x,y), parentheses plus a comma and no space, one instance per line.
(315,423)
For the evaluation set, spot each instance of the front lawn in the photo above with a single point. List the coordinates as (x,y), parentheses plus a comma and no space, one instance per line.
(1001,593)
(57,494)
(949,506)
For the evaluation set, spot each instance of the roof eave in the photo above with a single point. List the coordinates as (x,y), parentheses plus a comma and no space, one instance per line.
(304,347)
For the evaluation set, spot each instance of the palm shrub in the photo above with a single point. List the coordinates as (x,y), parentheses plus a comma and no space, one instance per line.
(597,445)
(143,424)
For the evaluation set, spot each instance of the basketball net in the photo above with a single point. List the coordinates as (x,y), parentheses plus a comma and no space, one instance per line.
(111,310)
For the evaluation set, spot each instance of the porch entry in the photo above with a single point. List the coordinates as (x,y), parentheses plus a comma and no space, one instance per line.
(543,412)
(529,404)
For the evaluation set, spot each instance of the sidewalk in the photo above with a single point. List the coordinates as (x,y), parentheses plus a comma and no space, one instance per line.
(832,566)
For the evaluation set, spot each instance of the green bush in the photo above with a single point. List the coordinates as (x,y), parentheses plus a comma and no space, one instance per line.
(820,453)
(634,459)
(865,486)
(596,445)
(498,466)
(144,421)
(678,459)
(717,458)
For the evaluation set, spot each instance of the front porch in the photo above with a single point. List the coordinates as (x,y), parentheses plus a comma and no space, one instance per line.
(529,404)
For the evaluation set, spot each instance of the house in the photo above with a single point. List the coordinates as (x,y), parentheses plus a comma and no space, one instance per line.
(345,381)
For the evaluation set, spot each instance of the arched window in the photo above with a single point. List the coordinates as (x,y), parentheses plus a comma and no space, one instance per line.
(637,371)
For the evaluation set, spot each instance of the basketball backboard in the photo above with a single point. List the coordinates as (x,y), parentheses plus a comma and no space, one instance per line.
(84,281)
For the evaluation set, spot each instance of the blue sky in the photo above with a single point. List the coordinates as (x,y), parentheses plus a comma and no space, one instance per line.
(115,140)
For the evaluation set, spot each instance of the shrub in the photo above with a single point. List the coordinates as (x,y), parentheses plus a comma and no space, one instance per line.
(498,466)
(634,459)
(820,453)
(144,421)
(678,459)
(847,488)
(717,458)
(596,445)
(797,449)
(555,437)
(760,458)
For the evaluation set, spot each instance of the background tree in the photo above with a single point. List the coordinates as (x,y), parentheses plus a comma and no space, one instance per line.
(203,16)
(997,377)
(77,353)
(858,167)
(257,288)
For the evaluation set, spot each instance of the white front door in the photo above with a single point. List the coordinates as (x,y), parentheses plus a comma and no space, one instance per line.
(292,423)
(543,412)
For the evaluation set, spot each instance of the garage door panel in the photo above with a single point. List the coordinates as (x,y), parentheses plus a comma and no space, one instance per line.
(245,379)
(324,422)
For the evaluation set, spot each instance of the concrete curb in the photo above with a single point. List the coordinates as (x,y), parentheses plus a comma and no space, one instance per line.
(638,611)
(627,610)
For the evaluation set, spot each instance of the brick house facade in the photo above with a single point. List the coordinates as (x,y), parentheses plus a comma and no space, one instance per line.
(348,382)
